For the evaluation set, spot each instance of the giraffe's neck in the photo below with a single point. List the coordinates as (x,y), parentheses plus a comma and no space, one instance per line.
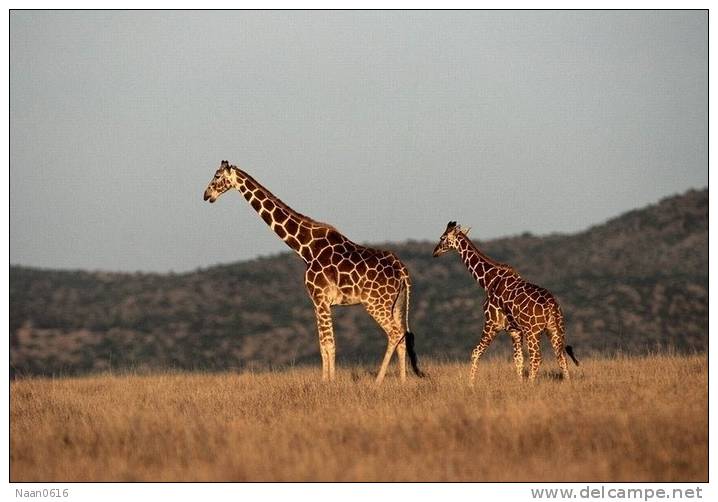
(293,228)
(485,270)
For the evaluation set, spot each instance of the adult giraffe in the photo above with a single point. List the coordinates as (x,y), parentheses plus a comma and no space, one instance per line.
(339,271)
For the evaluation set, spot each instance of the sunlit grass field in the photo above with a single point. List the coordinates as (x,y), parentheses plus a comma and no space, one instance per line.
(618,419)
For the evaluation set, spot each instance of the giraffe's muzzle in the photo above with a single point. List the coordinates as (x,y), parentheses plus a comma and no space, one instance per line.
(209,197)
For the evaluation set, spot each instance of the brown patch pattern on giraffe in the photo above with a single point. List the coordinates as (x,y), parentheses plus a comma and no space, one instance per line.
(512,304)
(339,271)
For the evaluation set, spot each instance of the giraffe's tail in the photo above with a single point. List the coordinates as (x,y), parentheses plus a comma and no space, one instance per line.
(409,336)
(569,351)
(561,327)
(407,293)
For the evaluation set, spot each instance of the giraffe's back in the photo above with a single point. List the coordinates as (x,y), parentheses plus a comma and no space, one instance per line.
(384,274)
(350,273)
(526,305)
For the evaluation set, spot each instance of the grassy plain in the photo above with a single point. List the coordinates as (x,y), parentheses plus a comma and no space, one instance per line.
(618,419)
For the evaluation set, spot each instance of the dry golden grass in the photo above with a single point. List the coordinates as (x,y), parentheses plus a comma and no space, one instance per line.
(619,419)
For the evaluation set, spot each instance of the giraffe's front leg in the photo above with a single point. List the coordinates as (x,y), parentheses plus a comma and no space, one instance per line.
(326,339)
(490,330)
(518,352)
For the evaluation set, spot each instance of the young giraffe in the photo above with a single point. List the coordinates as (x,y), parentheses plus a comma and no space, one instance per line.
(339,271)
(523,309)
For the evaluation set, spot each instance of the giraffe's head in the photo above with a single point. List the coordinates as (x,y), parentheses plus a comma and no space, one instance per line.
(222,181)
(449,239)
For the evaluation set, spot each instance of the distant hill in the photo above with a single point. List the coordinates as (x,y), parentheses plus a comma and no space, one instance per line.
(637,283)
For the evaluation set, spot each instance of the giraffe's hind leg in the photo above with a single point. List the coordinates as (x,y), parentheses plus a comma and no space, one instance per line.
(392,344)
(533,343)
(382,314)
(401,358)
(518,352)
(559,349)
(399,320)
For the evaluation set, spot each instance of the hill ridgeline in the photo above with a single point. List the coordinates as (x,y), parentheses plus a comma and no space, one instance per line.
(635,284)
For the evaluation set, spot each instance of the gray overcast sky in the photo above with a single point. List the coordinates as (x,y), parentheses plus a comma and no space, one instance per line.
(384,124)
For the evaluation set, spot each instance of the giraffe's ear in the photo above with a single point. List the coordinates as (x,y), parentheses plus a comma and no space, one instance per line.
(465,231)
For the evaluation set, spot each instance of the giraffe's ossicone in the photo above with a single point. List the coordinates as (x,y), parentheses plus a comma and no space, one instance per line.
(338,271)
(512,304)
